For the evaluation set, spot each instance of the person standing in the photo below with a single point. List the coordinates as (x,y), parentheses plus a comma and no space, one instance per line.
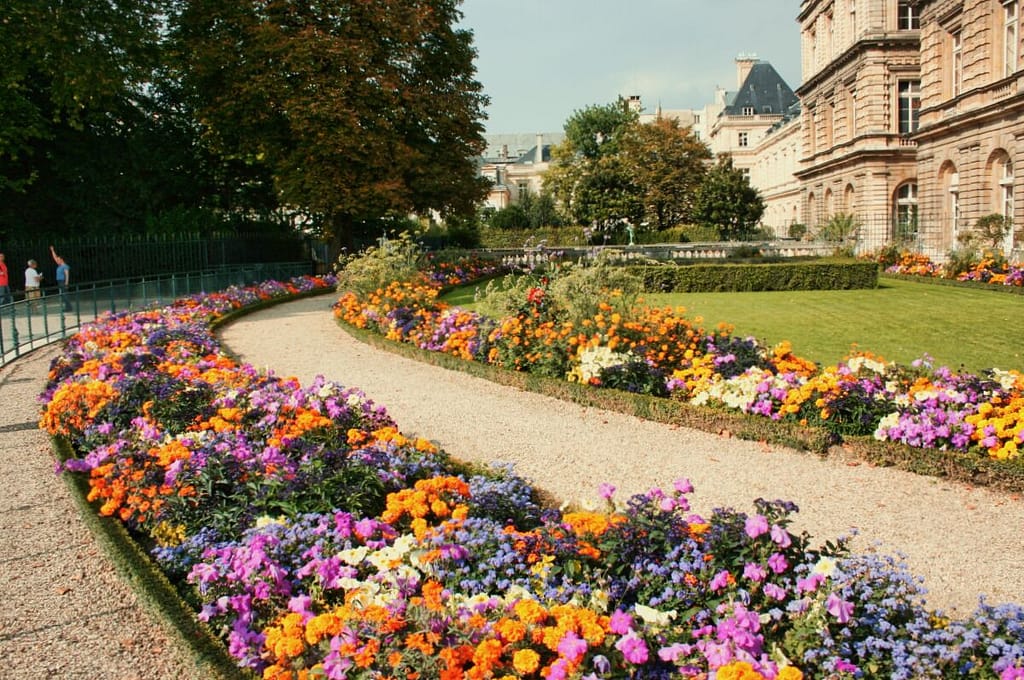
(5,283)
(63,279)
(33,280)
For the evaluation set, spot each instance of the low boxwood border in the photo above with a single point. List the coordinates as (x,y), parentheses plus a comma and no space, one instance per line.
(1005,476)
(727,277)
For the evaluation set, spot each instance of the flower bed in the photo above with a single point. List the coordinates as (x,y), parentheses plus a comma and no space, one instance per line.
(663,353)
(318,541)
(987,269)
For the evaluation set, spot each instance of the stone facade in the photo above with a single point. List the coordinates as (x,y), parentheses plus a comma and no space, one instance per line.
(860,96)
(773,173)
(515,169)
(972,116)
(910,115)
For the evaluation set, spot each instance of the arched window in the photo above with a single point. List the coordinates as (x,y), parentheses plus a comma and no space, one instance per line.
(1006,194)
(949,181)
(904,214)
(812,216)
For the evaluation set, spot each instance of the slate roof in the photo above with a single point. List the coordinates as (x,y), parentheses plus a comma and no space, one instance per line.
(531,155)
(764,91)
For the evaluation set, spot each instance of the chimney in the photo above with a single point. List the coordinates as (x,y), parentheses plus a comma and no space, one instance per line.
(744,62)
(539,156)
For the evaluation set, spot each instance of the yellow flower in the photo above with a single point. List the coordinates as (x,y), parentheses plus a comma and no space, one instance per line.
(526,661)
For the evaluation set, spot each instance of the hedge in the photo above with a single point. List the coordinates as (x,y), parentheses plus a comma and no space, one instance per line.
(712,278)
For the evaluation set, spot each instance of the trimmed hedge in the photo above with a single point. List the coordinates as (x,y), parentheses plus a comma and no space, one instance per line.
(715,278)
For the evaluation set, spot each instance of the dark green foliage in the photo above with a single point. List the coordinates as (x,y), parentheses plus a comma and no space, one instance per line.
(636,376)
(360,111)
(727,202)
(750,277)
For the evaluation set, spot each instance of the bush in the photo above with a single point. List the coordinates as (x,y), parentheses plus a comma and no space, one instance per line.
(585,291)
(696,233)
(552,237)
(695,278)
(376,267)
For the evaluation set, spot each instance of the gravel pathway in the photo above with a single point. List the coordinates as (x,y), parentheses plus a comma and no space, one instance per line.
(964,541)
(66,612)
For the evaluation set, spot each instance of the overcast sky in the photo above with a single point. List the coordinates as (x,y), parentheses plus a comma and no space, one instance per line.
(540,60)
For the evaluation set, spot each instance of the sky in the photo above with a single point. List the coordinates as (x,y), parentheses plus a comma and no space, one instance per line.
(541,60)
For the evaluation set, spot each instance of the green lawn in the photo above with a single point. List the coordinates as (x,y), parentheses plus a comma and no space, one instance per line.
(900,320)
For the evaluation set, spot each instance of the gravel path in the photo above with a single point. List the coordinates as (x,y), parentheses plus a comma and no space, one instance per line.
(64,610)
(964,541)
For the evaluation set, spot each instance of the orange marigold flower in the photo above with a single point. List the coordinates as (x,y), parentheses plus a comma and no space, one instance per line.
(526,661)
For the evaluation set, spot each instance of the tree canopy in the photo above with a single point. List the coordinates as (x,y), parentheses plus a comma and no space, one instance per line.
(143,114)
(727,202)
(667,163)
(611,168)
(360,111)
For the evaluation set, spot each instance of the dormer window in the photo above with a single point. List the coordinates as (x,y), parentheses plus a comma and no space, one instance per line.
(748,110)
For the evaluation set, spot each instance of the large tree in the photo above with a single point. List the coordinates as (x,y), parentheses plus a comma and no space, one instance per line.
(666,162)
(727,202)
(359,110)
(588,175)
(72,78)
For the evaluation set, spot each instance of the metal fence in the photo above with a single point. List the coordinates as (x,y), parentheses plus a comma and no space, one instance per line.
(101,258)
(29,324)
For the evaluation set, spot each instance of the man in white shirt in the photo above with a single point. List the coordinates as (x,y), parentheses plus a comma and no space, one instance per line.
(33,281)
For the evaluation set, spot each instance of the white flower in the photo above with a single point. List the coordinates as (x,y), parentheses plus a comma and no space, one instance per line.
(857,363)
(826,566)
(653,617)
(354,556)
(592,360)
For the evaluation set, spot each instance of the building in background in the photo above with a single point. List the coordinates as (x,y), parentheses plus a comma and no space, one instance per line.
(515,165)
(907,119)
(971,117)
(861,100)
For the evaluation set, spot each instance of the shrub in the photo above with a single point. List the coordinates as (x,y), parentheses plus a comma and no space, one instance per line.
(585,291)
(377,266)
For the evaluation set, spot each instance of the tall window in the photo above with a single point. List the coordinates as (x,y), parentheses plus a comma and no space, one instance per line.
(905,213)
(909,105)
(954,202)
(1010,37)
(851,113)
(743,139)
(906,16)
(1006,192)
(957,74)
